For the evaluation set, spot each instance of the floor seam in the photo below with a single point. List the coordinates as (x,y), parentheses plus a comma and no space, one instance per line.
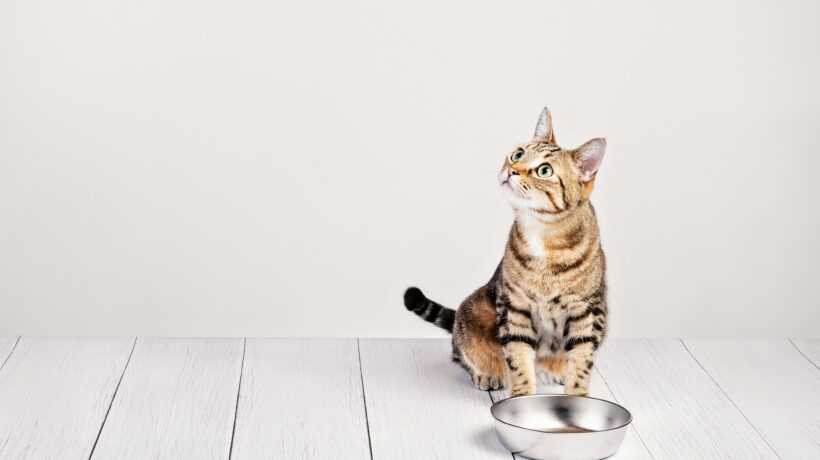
(766,441)
(634,428)
(238,393)
(492,400)
(114,396)
(364,397)
(801,352)
(14,347)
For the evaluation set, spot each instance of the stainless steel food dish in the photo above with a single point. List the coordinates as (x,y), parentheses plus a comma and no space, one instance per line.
(560,427)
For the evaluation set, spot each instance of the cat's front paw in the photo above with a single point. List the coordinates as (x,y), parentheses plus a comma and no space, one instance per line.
(523,389)
(486,382)
(576,391)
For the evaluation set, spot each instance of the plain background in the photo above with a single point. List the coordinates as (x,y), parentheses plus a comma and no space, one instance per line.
(216,168)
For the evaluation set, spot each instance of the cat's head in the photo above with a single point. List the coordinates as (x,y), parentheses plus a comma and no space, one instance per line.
(546,180)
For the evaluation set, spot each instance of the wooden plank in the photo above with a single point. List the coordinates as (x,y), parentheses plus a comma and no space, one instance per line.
(810,349)
(632,448)
(176,400)
(301,399)
(421,405)
(6,346)
(54,394)
(775,387)
(678,410)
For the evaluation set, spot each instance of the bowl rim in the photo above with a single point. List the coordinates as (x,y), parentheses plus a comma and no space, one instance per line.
(492,412)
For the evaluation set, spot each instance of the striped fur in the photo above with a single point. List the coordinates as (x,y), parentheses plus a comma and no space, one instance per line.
(428,310)
(544,310)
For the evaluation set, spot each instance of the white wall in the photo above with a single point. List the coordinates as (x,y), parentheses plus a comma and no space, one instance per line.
(180,167)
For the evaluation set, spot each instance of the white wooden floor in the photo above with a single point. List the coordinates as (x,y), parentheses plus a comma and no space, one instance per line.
(127,398)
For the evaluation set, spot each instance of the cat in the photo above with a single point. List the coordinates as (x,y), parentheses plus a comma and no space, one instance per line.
(545,306)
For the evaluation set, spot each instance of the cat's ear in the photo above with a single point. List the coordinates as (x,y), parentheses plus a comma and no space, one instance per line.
(543,129)
(588,158)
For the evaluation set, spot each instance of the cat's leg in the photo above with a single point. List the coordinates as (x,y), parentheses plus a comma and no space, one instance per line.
(486,368)
(518,338)
(475,344)
(584,331)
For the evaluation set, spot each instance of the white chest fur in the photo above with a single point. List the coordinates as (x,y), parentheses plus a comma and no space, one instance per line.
(532,231)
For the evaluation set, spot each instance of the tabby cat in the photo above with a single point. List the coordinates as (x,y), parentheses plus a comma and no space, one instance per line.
(545,306)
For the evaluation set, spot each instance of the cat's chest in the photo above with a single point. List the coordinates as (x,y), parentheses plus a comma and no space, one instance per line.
(549,324)
(546,320)
(534,244)
(538,276)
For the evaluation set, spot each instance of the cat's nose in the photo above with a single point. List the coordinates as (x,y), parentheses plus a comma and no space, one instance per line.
(512,171)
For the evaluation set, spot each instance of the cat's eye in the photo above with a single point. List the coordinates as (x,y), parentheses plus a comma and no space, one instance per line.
(517,155)
(545,170)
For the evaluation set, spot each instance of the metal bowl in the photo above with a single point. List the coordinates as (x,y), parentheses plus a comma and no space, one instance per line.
(560,427)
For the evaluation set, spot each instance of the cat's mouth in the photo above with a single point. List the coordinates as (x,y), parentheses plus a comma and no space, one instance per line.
(508,182)
(512,188)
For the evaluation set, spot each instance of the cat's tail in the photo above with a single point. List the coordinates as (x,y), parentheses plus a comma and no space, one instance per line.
(430,311)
